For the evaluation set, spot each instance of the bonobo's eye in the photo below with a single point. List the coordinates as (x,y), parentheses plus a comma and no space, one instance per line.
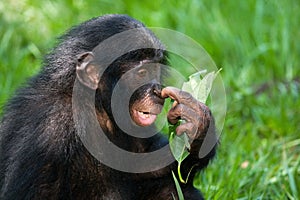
(142,73)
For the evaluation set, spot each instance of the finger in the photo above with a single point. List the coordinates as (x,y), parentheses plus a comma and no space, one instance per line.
(182,111)
(179,96)
(189,128)
(174,113)
(175,103)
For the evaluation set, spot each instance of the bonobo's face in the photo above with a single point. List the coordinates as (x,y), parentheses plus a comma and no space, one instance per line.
(146,101)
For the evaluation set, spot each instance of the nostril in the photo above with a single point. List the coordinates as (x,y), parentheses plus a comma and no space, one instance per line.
(157,90)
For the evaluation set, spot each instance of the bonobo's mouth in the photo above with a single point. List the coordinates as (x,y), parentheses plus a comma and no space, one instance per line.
(146,118)
(145,104)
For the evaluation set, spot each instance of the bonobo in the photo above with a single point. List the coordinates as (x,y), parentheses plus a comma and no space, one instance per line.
(43,155)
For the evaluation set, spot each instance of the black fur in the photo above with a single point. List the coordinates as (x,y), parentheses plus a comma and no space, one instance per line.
(41,157)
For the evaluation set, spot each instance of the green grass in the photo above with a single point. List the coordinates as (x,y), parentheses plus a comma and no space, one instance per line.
(257,43)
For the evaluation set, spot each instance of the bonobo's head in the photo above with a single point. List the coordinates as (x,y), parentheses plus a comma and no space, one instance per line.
(128,61)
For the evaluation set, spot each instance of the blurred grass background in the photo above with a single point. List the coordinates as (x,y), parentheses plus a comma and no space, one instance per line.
(256,42)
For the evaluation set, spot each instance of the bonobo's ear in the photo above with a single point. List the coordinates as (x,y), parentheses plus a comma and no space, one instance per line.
(87,71)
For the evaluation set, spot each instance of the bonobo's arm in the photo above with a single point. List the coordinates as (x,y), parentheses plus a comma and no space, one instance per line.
(199,126)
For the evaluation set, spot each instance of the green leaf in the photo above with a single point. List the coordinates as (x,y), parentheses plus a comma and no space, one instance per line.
(179,191)
(194,80)
(179,146)
(200,88)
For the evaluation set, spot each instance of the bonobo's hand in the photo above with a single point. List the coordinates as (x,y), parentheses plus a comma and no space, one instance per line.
(196,114)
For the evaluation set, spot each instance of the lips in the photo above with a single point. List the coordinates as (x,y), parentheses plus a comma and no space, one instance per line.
(145,108)
(144,118)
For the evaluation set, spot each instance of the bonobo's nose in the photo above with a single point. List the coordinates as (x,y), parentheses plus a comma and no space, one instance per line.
(157,89)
